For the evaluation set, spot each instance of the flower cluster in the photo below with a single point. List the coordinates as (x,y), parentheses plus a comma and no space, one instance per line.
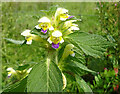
(56,27)
(12,72)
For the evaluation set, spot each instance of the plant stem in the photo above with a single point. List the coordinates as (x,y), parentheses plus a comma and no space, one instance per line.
(56,57)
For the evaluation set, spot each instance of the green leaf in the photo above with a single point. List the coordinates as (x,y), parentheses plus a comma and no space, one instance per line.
(97,80)
(15,41)
(81,66)
(90,44)
(79,55)
(17,87)
(82,84)
(78,62)
(45,77)
(74,70)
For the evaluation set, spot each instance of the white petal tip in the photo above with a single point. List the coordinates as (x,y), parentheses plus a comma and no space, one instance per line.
(9,69)
(51,28)
(9,74)
(62,41)
(26,33)
(44,19)
(56,34)
(63,19)
(49,40)
(37,27)
(29,42)
(73,55)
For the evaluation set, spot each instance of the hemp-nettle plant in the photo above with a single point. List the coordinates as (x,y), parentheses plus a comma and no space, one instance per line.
(65,47)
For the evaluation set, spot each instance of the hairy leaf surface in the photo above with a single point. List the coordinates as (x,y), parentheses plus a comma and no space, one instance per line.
(91,44)
(45,77)
(82,84)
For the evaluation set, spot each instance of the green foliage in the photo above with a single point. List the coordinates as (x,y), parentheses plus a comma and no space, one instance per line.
(45,77)
(81,66)
(91,44)
(17,87)
(79,55)
(83,84)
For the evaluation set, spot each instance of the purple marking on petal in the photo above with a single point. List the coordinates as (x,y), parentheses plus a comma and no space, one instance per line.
(44,31)
(55,46)
(70,17)
(115,4)
(9,76)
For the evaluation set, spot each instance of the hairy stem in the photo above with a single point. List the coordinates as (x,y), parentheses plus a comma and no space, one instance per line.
(56,57)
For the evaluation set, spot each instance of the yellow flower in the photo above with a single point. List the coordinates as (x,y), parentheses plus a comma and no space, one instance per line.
(62,14)
(55,39)
(44,24)
(68,51)
(70,26)
(69,23)
(29,37)
(11,72)
(74,27)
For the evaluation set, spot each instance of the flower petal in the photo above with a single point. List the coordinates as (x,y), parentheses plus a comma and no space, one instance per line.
(49,40)
(61,11)
(73,28)
(29,42)
(67,51)
(51,28)
(26,33)
(70,17)
(9,74)
(44,31)
(62,41)
(69,23)
(62,19)
(44,19)
(56,34)
(11,70)
(74,25)
(55,46)
(37,27)
(72,53)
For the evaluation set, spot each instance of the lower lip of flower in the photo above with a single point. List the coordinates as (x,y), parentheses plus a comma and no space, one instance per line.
(9,76)
(55,46)
(44,31)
